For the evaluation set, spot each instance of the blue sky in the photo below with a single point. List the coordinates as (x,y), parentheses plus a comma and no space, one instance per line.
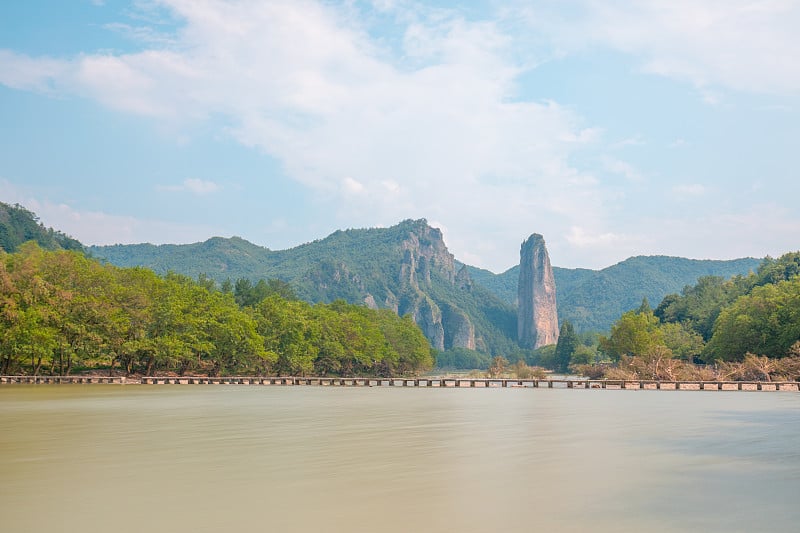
(612,128)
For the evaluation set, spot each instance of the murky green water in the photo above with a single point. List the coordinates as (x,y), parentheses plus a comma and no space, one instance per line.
(203,458)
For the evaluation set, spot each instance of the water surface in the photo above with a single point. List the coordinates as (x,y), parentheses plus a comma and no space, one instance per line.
(98,458)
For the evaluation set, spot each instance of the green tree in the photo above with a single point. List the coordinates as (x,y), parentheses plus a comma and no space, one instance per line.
(764,322)
(633,334)
(682,340)
(565,348)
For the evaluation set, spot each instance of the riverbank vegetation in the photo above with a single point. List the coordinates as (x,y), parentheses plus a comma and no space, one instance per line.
(746,327)
(60,311)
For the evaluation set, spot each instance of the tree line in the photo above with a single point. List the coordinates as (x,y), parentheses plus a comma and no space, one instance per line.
(61,311)
(745,327)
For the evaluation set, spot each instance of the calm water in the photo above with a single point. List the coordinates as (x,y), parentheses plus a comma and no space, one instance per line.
(203,458)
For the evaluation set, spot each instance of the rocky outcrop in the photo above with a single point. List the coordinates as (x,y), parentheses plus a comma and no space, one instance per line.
(369,301)
(537,317)
(463,279)
(424,253)
(427,316)
(425,256)
(458,328)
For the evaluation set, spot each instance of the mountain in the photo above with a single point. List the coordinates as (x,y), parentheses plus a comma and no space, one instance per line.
(18,225)
(406,268)
(593,299)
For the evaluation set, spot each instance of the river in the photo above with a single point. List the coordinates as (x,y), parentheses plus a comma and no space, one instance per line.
(97,458)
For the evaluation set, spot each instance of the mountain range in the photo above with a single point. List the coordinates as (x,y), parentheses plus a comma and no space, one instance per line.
(408,268)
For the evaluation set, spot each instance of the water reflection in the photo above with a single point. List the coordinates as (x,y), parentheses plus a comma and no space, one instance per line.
(96,458)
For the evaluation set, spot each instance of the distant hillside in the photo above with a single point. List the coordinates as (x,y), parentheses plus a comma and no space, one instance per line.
(406,268)
(593,299)
(18,225)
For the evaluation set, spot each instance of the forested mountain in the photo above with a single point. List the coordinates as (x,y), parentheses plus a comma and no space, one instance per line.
(18,225)
(593,299)
(406,268)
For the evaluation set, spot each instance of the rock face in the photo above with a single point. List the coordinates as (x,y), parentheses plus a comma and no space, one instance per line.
(424,255)
(459,330)
(537,318)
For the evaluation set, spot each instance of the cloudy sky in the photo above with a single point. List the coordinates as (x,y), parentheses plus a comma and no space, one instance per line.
(613,128)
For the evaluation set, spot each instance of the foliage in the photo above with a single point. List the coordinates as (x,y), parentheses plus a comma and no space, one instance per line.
(61,310)
(498,366)
(684,342)
(757,313)
(659,365)
(462,359)
(591,371)
(565,348)
(543,356)
(766,321)
(523,371)
(248,294)
(635,333)
(583,355)
(699,305)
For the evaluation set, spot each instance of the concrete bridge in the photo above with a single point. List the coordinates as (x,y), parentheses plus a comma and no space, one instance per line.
(440,382)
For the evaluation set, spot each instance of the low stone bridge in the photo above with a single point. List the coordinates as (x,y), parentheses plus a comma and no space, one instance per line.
(439,382)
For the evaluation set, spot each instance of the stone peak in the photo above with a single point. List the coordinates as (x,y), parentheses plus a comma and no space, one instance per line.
(533,240)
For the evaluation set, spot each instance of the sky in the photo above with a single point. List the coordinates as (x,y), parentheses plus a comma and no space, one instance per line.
(613,128)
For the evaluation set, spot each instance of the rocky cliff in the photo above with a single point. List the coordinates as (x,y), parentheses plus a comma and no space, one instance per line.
(537,316)
(425,258)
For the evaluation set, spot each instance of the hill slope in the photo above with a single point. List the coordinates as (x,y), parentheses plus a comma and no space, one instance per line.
(18,225)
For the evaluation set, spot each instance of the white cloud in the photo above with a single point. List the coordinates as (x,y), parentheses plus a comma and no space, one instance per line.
(760,230)
(689,190)
(746,45)
(435,132)
(636,140)
(20,71)
(97,227)
(583,238)
(678,143)
(193,185)
(435,128)
(352,186)
(617,166)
